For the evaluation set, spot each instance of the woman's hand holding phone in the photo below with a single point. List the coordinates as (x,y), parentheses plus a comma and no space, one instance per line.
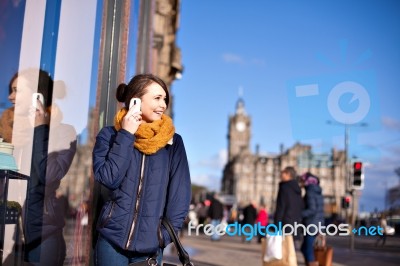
(133,117)
(41,117)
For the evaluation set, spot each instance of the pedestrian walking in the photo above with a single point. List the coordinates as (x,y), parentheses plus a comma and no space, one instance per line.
(262,220)
(201,211)
(382,234)
(289,205)
(249,219)
(215,214)
(313,214)
(142,161)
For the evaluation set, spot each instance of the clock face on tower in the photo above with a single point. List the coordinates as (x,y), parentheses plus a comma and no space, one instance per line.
(240,126)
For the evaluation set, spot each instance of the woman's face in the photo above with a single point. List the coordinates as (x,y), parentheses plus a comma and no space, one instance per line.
(21,95)
(153,103)
(285,176)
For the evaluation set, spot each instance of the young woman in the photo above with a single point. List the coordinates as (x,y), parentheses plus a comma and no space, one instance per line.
(313,214)
(142,161)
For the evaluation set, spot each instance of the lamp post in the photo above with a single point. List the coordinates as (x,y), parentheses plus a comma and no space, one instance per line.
(354,193)
(346,149)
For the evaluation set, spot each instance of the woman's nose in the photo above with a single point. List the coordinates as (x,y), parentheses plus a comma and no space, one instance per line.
(11,96)
(163,104)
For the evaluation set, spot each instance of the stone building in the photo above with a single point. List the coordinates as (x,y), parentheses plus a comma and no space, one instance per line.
(255,177)
(157,52)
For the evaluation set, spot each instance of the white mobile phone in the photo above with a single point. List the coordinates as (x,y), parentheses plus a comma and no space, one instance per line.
(37,96)
(136,104)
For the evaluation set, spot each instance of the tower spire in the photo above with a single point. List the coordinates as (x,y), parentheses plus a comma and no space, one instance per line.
(240,103)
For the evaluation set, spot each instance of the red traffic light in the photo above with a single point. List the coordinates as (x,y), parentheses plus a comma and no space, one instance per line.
(357,165)
(346,202)
(357,180)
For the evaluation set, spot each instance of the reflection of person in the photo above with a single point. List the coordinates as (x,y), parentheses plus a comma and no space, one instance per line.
(51,159)
(215,213)
(289,205)
(142,161)
(313,213)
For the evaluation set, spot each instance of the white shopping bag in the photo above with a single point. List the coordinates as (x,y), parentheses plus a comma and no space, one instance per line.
(389,230)
(273,248)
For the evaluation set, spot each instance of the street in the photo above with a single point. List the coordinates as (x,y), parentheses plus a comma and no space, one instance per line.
(231,251)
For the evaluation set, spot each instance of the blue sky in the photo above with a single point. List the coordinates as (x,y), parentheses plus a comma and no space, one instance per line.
(269,48)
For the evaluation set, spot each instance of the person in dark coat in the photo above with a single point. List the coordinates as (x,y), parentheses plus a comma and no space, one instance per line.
(215,213)
(201,211)
(313,213)
(249,217)
(289,205)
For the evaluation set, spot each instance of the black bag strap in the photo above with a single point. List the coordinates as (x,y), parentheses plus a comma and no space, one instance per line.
(182,254)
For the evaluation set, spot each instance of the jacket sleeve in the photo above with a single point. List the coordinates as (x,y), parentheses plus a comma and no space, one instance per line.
(112,154)
(311,206)
(50,167)
(179,189)
(280,207)
(39,154)
(59,161)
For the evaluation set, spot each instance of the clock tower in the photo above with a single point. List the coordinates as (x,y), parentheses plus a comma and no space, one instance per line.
(239,131)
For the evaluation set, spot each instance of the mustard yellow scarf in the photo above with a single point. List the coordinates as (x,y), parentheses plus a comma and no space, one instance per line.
(150,137)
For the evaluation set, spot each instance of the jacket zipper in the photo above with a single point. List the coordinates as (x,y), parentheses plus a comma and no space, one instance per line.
(137,204)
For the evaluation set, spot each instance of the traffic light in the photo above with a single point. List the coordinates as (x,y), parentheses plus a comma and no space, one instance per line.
(358,176)
(346,202)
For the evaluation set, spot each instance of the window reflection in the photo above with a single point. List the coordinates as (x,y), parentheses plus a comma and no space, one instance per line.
(86,69)
(51,144)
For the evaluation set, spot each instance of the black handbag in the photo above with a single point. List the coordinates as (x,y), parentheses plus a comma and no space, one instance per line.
(182,253)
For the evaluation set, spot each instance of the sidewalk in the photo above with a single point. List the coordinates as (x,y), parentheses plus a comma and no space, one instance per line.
(231,251)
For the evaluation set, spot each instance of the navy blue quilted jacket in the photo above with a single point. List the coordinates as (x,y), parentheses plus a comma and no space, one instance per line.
(144,188)
(313,212)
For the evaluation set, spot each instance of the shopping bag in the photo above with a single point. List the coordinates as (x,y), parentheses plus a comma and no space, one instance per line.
(288,257)
(322,252)
(273,248)
(324,255)
(389,230)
